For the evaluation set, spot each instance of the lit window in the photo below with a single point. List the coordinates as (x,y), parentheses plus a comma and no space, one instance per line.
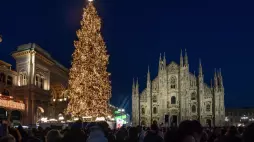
(23,79)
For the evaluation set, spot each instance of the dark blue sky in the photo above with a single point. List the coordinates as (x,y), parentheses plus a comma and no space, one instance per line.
(221,33)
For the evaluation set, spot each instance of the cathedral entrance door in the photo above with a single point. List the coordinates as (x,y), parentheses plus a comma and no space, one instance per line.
(173,121)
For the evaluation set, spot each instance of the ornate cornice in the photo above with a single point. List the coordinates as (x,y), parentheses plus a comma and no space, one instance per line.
(44,59)
(22,53)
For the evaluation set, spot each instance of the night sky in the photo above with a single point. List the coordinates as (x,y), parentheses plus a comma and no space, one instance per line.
(221,33)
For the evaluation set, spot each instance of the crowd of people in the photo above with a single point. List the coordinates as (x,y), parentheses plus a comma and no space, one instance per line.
(187,131)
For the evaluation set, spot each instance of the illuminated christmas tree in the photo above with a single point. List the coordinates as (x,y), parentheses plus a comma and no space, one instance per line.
(89,85)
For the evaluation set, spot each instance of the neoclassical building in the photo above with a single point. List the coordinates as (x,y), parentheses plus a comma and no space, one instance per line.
(177,94)
(38,81)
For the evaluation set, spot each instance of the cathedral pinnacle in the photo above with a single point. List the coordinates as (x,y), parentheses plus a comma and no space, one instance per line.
(181,58)
(148,74)
(200,68)
(137,87)
(186,58)
(215,79)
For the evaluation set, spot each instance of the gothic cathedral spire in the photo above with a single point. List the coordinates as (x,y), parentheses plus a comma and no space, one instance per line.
(200,68)
(137,88)
(181,58)
(215,79)
(186,63)
(220,79)
(148,75)
(133,87)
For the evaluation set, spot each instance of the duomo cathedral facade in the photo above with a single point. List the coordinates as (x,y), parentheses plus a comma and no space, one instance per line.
(176,95)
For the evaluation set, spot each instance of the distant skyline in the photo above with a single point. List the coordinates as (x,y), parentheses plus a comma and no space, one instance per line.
(220,33)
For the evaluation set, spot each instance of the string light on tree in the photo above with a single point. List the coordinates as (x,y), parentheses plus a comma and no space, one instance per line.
(89,85)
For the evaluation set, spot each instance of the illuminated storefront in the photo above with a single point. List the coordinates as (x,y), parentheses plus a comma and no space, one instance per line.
(11,109)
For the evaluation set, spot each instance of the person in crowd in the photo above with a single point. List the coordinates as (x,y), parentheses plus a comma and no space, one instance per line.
(154,135)
(75,134)
(141,133)
(96,135)
(132,135)
(216,134)
(121,135)
(170,135)
(240,131)
(248,134)
(23,133)
(190,131)
(53,136)
(230,136)
(8,138)
(15,133)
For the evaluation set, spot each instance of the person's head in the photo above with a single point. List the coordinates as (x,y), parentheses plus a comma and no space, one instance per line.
(217,131)
(248,134)
(232,130)
(154,127)
(190,130)
(139,128)
(8,138)
(53,136)
(240,129)
(133,132)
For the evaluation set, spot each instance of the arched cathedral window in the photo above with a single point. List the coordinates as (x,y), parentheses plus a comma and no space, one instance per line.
(193,96)
(173,100)
(154,99)
(173,82)
(193,109)
(154,110)
(208,107)
(143,111)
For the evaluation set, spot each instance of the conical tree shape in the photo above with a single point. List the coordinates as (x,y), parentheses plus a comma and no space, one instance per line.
(89,85)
